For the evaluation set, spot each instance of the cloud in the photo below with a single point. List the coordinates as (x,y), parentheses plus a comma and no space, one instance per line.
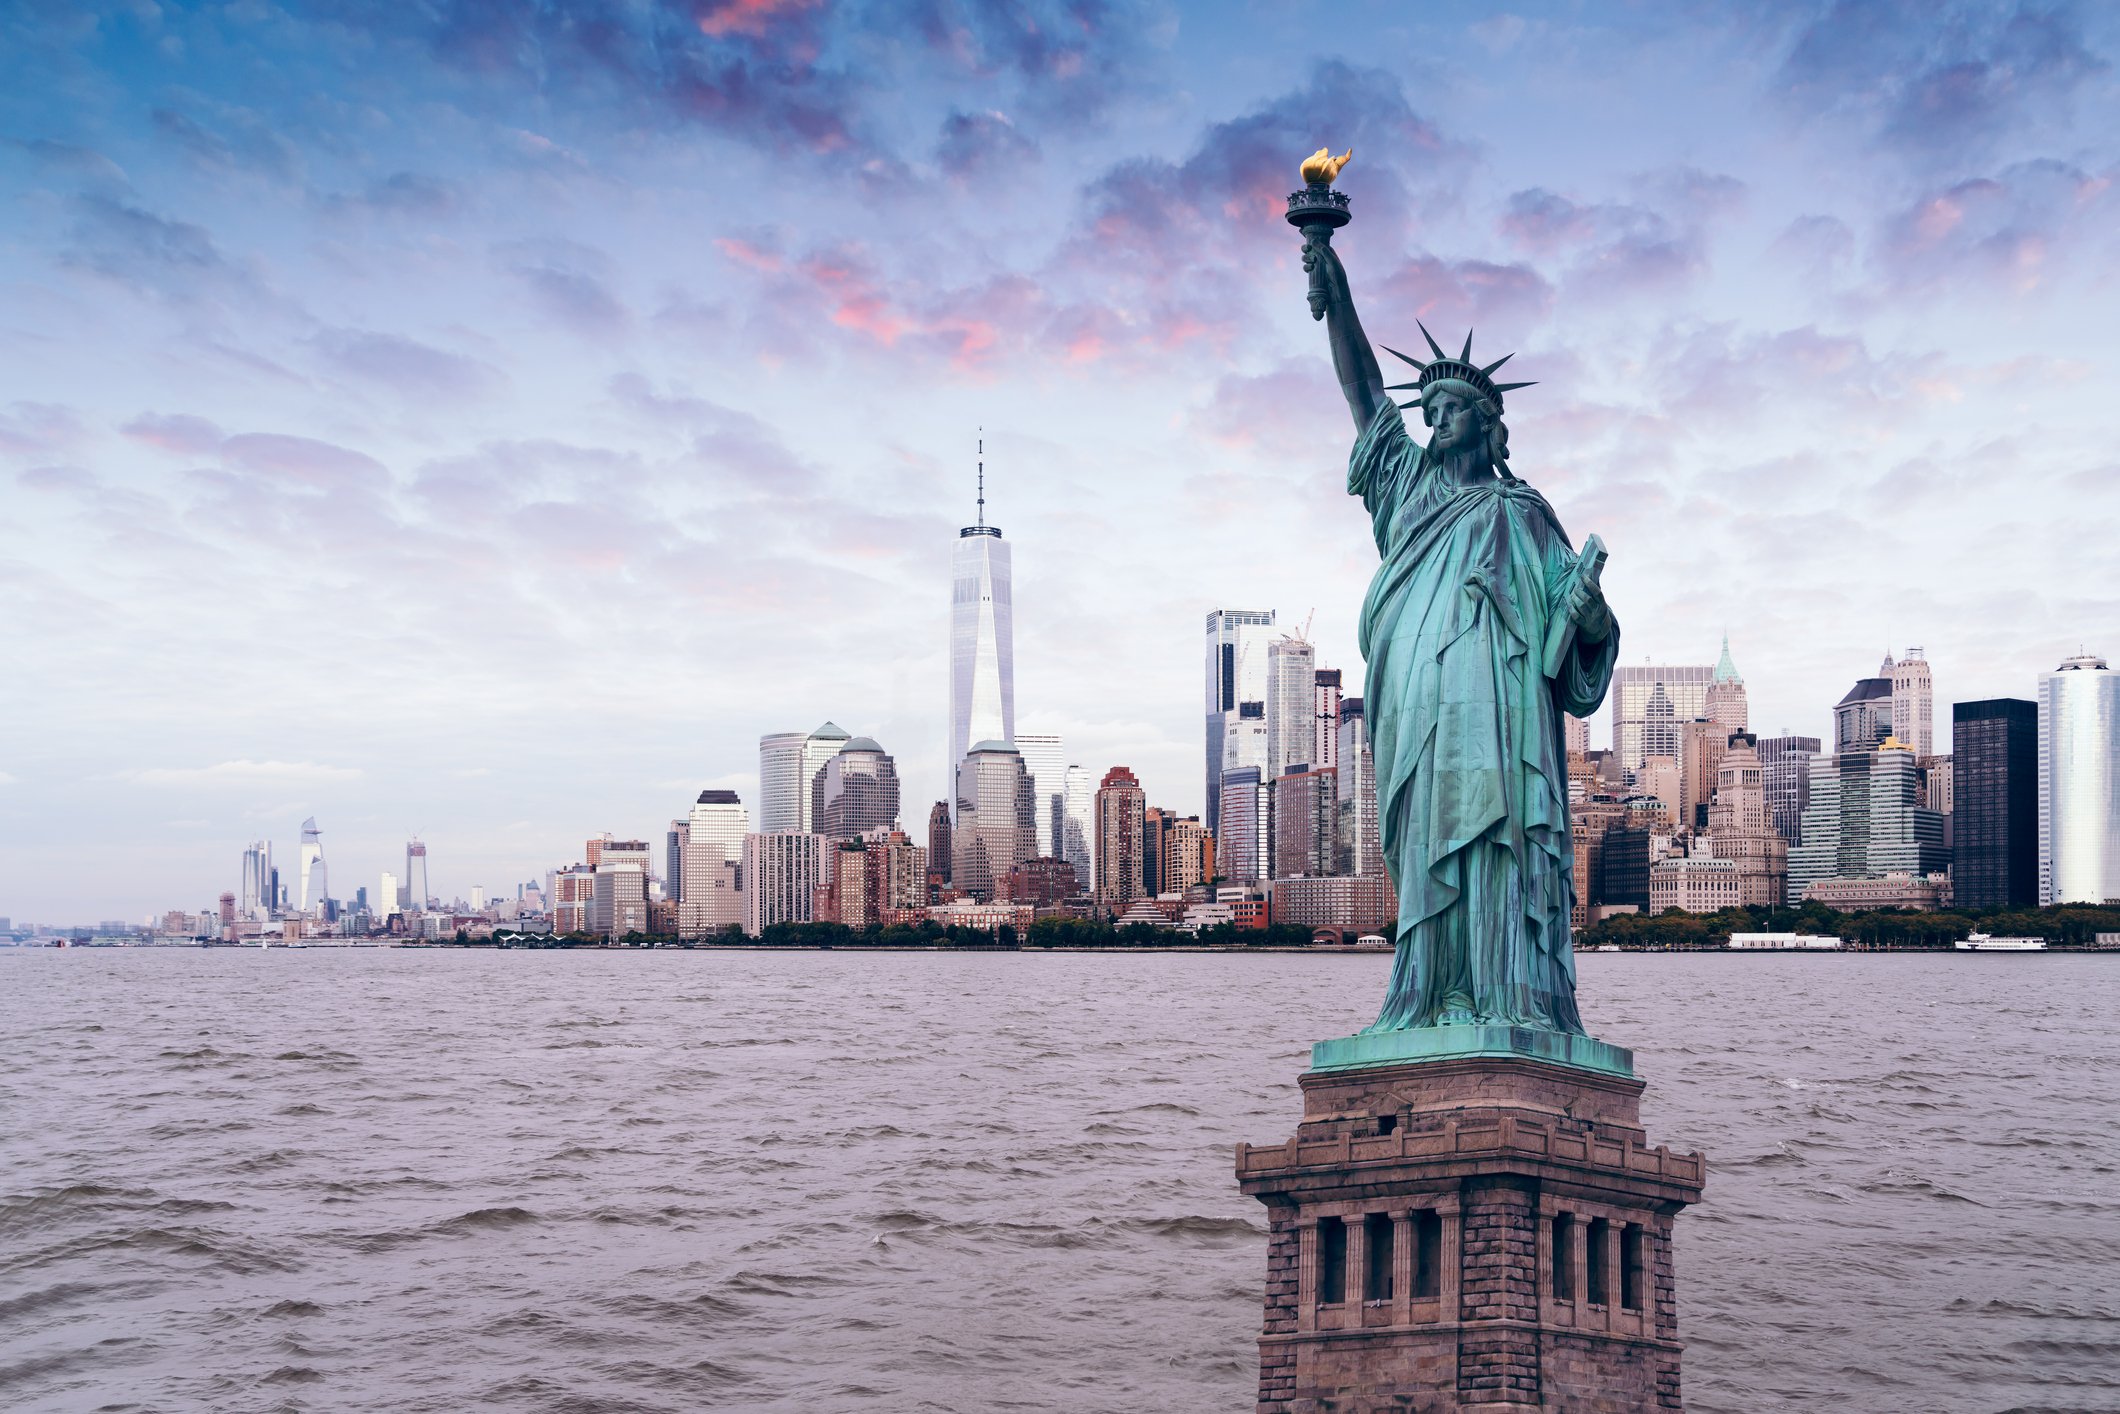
(1625,247)
(566,280)
(2010,230)
(1937,81)
(244,773)
(71,158)
(153,254)
(982,144)
(412,194)
(303,461)
(176,432)
(406,366)
(37,429)
(242,141)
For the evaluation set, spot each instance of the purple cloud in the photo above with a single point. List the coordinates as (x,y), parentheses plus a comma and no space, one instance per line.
(180,433)
(406,366)
(1938,80)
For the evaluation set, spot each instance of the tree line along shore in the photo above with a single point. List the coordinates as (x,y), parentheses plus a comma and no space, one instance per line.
(2064,926)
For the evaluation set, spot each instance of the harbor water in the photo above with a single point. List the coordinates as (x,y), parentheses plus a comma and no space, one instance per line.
(413,1180)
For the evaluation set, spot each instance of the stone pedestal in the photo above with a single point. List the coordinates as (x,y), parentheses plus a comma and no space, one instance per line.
(1469,1234)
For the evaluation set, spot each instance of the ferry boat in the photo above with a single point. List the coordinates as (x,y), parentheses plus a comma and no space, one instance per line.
(1986,942)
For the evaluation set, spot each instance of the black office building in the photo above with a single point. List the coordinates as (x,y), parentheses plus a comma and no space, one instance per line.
(1995,803)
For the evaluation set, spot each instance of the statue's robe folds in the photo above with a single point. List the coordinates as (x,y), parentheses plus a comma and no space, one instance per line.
(1471,756)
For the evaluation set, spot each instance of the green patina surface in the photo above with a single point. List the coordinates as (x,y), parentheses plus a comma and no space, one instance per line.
(1482,631)
(1425,1043)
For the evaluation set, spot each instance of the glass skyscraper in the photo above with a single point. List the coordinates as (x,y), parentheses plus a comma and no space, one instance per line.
(1995,807)
(1863,823)
(1237,643)
(982,638)
(995,831)
(2079,783)
(1785,762)
(415,885)
(855,791)
(1045,758)
(315,883)
(788,763)
(1683,697)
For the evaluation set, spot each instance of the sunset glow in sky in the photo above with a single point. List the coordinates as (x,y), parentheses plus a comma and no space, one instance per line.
(485,421)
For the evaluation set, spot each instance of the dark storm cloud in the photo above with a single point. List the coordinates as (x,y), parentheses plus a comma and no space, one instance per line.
(1938,80)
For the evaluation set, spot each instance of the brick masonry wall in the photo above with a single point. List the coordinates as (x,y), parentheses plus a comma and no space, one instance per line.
(1499,1282)
(1277,1361)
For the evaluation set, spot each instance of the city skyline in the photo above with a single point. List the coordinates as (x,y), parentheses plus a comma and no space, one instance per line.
(478,472)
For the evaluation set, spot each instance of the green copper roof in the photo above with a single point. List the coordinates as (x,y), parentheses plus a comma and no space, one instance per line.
(1725,670)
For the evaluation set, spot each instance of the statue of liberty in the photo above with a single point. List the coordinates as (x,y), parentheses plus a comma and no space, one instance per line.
(1481,627)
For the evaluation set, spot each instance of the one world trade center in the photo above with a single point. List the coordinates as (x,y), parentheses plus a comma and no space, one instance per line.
(982,639)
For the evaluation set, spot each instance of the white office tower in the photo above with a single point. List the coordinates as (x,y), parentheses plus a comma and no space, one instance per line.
(1237,642)
(1078,826)
(416,895)
(713,865)
(982,637)
(2079,783)
(1913,702)
(788,763)
(1291,704)
(1045,759)
(257,880)
(780,877)
(313,882)
(387,896)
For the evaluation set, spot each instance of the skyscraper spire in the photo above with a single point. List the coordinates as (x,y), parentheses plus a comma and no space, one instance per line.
(982,638)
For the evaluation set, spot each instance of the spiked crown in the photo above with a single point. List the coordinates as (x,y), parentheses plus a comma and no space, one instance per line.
(1460,369)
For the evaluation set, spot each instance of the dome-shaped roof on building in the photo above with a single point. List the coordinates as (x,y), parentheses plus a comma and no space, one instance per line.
(991,745)
(863,743)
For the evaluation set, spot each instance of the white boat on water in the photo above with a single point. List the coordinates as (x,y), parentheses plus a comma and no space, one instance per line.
(1987,942)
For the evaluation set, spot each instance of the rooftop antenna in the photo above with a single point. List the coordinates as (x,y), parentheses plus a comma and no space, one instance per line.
(982,475)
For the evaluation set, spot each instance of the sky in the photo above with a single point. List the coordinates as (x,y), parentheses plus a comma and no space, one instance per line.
(486,421)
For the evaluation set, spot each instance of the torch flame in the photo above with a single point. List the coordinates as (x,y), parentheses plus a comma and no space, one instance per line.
(1321,168)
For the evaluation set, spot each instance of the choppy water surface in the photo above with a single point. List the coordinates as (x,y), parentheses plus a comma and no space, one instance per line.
(404,1180)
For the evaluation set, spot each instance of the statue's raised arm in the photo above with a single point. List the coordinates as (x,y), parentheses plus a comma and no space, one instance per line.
(1330,300)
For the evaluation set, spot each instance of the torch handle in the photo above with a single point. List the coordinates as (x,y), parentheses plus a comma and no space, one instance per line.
(1317,249)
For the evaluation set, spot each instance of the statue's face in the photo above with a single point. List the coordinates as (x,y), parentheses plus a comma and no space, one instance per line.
(1456,422)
